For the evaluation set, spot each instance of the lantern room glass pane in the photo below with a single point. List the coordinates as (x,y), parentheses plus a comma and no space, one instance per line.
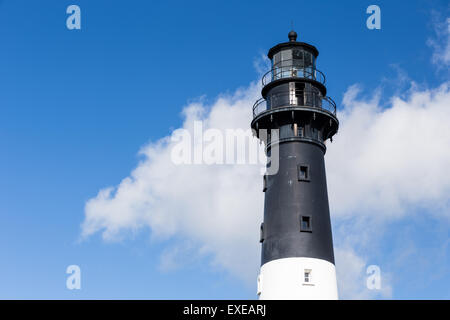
(308,66)
(286,55)
(308,59)
(297,54)
(276,58)
(298,62)
(276,72)
(286,63)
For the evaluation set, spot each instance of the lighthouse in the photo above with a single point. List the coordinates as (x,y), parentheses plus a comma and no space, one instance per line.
(297,258)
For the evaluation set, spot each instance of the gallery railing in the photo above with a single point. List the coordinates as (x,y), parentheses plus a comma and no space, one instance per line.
(291,69)
(300,98)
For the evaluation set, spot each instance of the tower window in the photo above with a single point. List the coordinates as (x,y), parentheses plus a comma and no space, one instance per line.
(303,172)
(307,276)
(265,183)
(305,224)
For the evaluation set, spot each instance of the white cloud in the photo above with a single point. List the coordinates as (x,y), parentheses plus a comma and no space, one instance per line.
(179,255)
(441,43)
(393,159)
(217,207)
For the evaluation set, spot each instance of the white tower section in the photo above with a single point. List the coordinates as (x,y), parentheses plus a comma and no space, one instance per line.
(297,279)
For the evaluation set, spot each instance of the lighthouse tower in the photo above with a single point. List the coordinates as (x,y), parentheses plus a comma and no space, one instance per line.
(297,259)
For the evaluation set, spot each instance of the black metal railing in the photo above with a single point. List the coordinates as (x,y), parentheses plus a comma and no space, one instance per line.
(298,98)
(292,69)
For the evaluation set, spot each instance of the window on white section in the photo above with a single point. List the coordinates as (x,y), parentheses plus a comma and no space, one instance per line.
(307,278)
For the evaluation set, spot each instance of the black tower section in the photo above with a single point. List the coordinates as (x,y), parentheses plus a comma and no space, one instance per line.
(296,213)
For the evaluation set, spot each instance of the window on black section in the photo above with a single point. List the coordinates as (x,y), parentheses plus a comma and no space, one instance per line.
(303,172)
(305,224)
(265,183)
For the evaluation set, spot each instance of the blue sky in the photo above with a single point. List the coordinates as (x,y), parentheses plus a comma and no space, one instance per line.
(76,106)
